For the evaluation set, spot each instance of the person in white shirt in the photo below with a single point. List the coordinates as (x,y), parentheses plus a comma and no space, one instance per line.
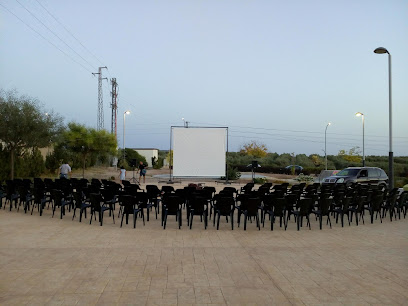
(122,173)
(65,169)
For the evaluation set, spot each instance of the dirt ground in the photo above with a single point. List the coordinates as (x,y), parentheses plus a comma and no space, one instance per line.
(151,177)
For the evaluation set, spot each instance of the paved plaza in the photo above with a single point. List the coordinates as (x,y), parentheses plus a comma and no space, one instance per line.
(49,261)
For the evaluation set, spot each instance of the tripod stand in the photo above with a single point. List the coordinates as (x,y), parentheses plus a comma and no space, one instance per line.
(134,179)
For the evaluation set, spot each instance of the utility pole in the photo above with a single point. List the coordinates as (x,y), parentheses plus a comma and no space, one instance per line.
(100,123)
(114,107)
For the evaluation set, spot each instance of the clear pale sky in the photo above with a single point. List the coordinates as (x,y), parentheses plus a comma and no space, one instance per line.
(272,71)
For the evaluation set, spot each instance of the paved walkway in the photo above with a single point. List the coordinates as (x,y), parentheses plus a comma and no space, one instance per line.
(48,261)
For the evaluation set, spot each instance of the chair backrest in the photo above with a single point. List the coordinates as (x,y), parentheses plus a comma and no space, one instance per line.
(251,205)
(376,202)
(96,199)
(167,189)
(199,204)
(57,196)
(78,199)
(141,199)
(402,197)
(359,203)
(279,206)
(305,206)
(225,205)
(324,205)
(128,202)
(172,204)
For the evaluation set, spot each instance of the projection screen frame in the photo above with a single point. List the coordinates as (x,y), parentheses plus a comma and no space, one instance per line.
(197,127)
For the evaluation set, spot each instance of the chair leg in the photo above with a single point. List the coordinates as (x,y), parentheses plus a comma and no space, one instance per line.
(232,220)
(134,219)
(245,220)
(164,212)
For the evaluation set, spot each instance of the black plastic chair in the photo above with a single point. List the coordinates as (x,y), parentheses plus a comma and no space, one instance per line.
(375,207)
(224,206)
(342,209)
(358,209)
(58,200)
(40,199)
(305,208)
(171,206)
(97,206)
(79,204)
(129,205)
(323,209)
(250,208)
(276,208)
(198,206)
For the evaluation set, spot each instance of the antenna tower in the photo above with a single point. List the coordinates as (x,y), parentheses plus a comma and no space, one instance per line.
(114,107)
(100,124)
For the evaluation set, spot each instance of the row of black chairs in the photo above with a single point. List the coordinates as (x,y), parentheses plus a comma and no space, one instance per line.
(275,201)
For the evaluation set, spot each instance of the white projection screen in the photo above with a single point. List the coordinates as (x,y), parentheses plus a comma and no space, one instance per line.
(199,152)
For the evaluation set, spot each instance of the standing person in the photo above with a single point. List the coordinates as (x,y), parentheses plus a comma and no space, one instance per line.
(142,170)
(122,173)
(65,169)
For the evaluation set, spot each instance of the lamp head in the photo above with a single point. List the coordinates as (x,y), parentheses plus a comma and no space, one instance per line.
(127,112)
(381,50)
(329,123)
(359,114)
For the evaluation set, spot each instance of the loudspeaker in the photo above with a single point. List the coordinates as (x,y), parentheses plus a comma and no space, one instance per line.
(254,164)
(133,162)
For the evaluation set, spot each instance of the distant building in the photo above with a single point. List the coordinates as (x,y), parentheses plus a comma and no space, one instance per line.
(148,154)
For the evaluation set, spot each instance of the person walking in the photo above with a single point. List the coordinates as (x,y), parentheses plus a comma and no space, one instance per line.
(122,173)
(65,169)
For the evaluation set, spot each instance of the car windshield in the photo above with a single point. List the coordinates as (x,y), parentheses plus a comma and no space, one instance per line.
(348,172)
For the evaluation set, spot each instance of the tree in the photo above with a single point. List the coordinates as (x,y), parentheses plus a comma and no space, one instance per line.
(24,125)
(353,155)
(85,141)
(254,149)
(130,154)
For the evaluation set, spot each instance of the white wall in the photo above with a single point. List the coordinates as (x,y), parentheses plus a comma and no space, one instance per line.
(148,154)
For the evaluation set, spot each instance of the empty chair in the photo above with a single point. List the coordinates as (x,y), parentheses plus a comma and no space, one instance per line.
(224,206)
(342,209)
(357,209)
(79,204)
(153,196)
(171,206)
(198,206)
(167,189)
(276,208)
(323,209)
(129,205)
(304,210)
(250,208)
(11,194)
(40,199)
(97,206)
(58,200)
(247,188)
(375,206)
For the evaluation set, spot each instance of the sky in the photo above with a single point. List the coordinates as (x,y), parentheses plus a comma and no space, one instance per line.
(275,72)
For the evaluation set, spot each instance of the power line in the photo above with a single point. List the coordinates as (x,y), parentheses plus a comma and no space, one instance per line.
(69,32)
(54,33)
(292,131)
(43,37)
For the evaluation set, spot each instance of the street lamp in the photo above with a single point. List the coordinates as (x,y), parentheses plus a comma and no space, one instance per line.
(124,114)
(362,116)
(185,122)
(382,50)
(325,142)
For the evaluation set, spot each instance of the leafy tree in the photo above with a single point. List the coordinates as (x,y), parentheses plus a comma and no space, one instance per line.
(130,154)
(254,149)
(353,155)
(24,125)
(169,158)
(85,142)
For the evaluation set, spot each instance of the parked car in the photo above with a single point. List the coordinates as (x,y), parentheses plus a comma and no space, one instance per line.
(298,169)
(362,175)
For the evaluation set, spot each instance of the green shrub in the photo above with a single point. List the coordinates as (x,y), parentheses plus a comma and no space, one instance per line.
(304,178)
(260,180)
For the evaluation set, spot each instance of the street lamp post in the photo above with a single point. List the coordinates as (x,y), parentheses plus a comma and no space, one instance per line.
(124,115)
(362,116)
(382,50)
(325,142)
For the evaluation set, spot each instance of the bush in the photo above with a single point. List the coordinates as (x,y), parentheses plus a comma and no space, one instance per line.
(159,163)
(304,178)
(260,180)
(233,173)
